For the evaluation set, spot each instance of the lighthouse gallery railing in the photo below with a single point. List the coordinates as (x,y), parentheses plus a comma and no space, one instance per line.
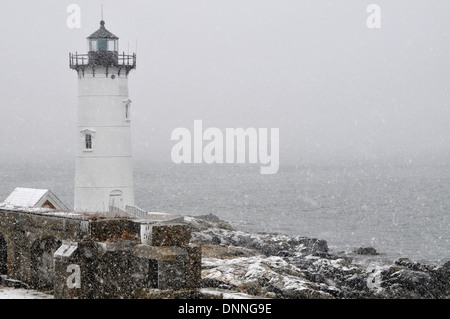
(82,60)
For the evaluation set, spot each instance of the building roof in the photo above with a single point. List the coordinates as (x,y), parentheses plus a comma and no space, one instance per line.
(102,33)
(25,197)
(30,197)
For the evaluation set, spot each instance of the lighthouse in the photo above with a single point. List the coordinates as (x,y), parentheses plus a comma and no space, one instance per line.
(103,170)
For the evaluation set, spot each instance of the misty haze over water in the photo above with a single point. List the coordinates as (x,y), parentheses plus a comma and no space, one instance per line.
(400,209)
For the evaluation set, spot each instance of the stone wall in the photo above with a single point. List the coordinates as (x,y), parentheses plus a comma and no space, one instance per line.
(105,258)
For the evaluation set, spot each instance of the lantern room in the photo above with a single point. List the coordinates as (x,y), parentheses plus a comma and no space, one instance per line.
(103,47)
(103,54)
(103,40)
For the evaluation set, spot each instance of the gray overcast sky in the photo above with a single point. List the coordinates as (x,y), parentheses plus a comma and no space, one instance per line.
(334,87)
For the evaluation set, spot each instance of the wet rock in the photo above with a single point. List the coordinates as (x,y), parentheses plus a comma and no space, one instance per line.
(405,262)
(207,221)
(215,240)
(285,253)
(409,279)
(370,251)
(210,218)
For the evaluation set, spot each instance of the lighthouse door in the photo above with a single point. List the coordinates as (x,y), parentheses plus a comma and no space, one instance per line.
(116,199)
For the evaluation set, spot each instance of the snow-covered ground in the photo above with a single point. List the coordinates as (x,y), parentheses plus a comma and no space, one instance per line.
(20,293)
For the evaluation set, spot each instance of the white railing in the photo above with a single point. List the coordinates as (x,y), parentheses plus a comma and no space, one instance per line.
(136,212)
(118,211)
(130,211)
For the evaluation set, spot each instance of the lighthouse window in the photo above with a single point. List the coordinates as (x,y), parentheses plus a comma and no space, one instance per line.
(127,111)
(112,45)
(102,45)
(88,140)
(93,45)
(127,104)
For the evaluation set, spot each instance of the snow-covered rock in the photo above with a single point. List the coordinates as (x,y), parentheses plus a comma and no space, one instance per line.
(271,277)
(280,266)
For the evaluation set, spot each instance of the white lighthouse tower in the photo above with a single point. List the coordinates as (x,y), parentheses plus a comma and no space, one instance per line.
(104,172)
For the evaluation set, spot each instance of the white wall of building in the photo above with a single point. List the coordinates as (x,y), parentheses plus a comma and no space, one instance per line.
(107,168)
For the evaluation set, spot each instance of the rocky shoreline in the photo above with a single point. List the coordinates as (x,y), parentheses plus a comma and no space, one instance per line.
(238,264)
(284,267)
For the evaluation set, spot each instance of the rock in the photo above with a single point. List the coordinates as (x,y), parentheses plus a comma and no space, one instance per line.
(225,252)
(260,275)
(267,244)
(12,283)
(215,240)
(370,251)
(254,288)
(285,253)
(274,265)
(210,218)
(408,279)
(199,223)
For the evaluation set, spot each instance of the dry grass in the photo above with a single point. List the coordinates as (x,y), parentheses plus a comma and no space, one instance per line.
(103,216)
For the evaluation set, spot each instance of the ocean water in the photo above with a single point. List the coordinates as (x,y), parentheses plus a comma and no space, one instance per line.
(400,210)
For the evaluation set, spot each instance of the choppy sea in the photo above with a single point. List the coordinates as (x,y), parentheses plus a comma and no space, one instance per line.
(400,210)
